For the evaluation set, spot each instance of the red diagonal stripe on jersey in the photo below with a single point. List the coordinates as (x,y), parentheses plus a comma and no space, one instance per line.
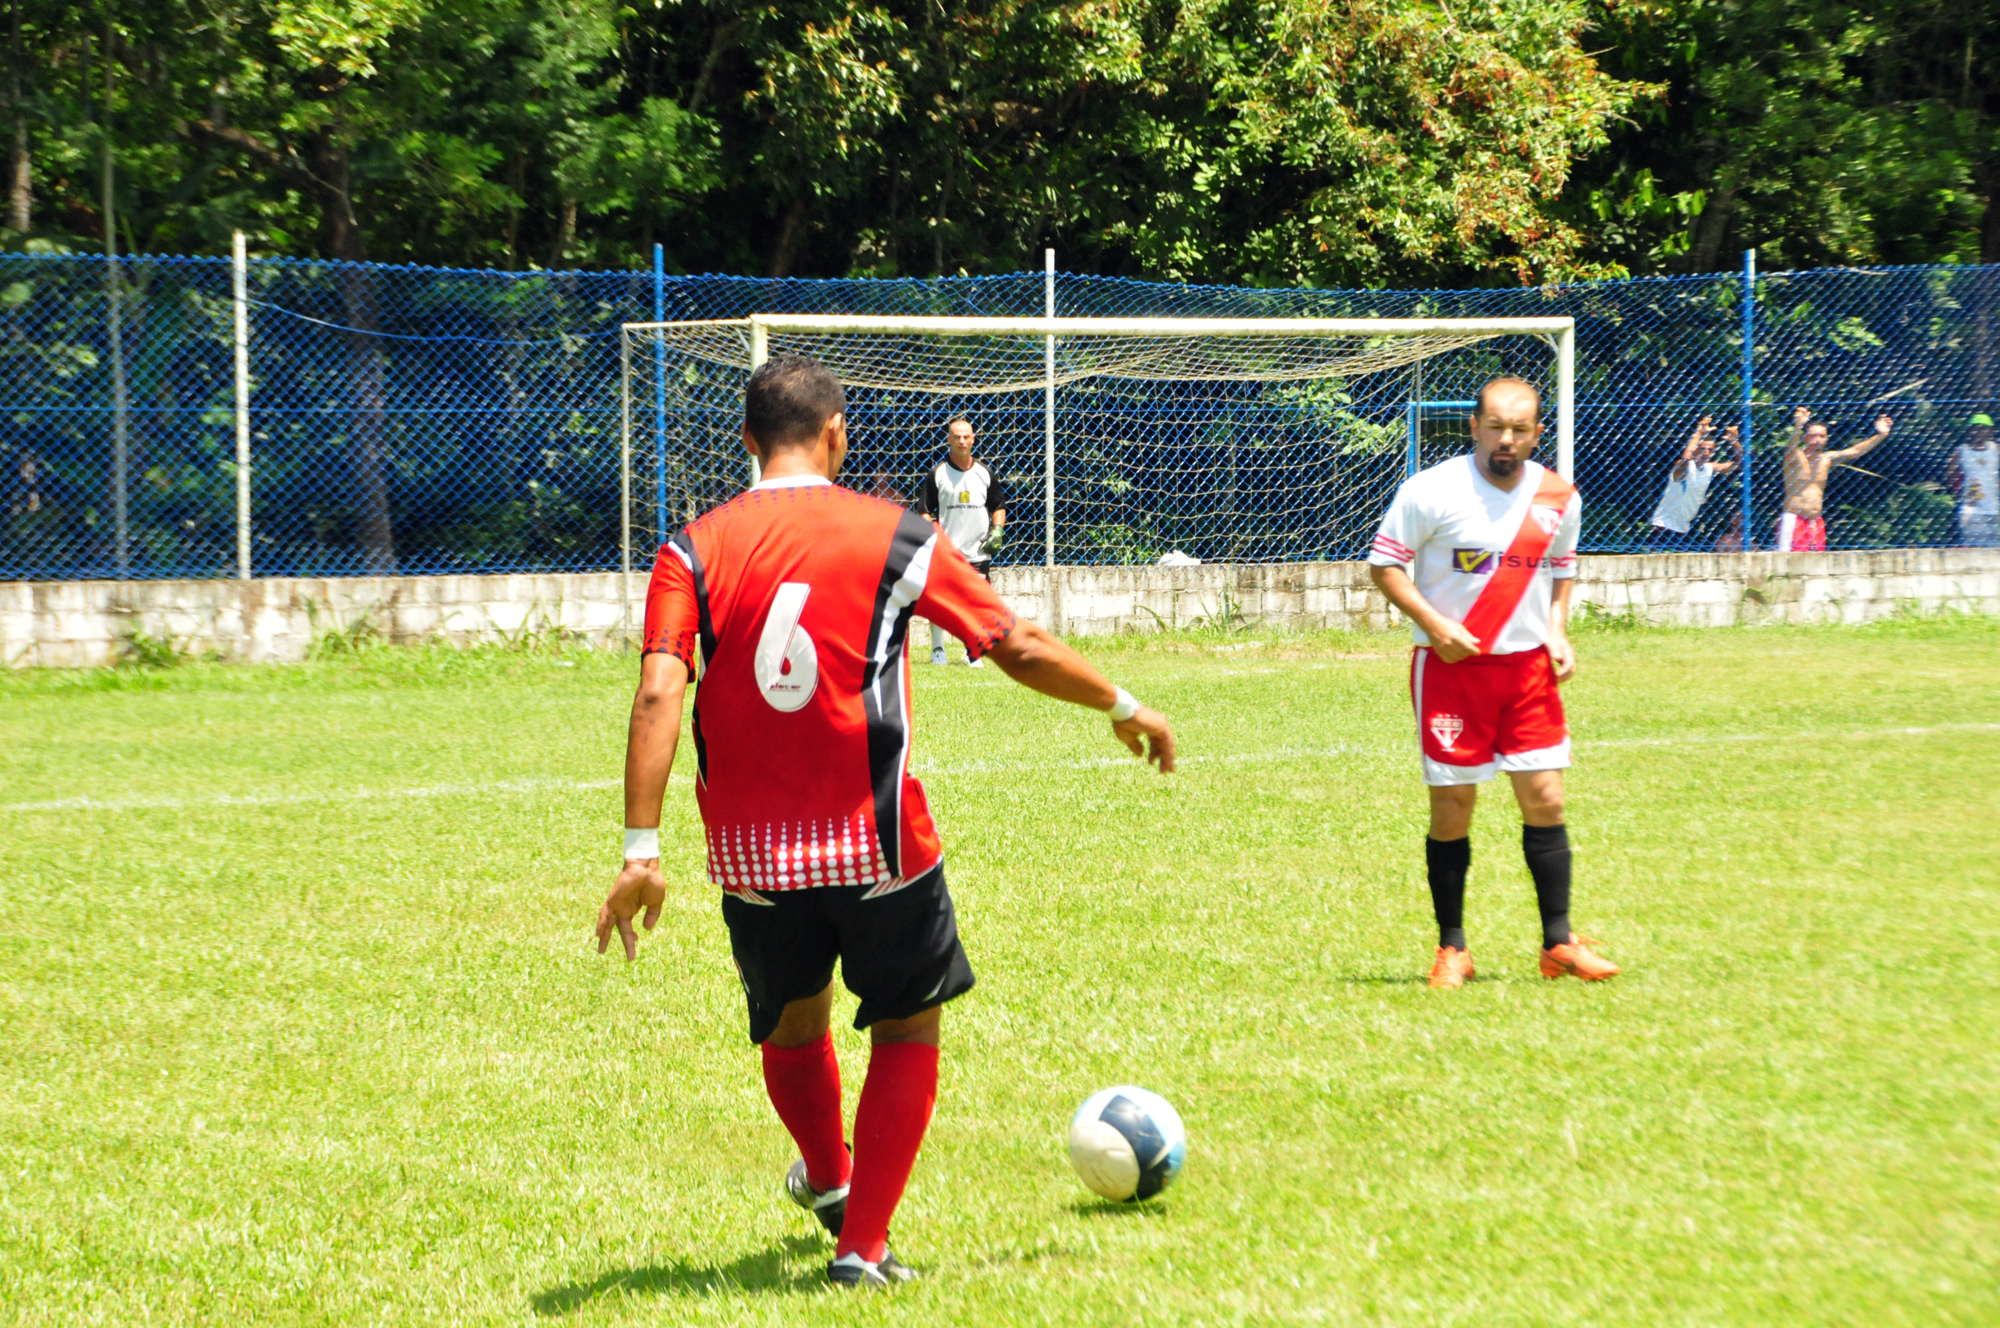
(1496,603)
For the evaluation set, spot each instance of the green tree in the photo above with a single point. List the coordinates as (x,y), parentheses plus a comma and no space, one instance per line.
(1818,132)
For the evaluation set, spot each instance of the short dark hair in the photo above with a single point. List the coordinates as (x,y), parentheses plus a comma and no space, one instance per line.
(956,419)
(788,399)
(1506,380)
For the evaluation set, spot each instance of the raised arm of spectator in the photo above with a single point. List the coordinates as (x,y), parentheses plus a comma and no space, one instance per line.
(1702,429)
(1801,417)
(1735,442)
(1862,446)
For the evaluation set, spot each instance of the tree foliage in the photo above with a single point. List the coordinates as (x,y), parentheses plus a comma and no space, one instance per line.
(1818,131)
(1262,141)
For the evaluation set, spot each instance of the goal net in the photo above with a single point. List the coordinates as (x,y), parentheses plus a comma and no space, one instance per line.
(1115,440)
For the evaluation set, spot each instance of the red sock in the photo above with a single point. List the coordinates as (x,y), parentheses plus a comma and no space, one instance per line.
(889,1125)
(804,1084)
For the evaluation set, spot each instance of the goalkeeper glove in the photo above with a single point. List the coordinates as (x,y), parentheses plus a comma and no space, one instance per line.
(994,538)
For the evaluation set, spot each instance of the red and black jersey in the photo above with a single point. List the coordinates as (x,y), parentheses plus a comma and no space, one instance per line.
(800,594)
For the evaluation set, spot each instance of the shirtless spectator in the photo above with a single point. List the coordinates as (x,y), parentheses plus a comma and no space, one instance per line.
(1802,528)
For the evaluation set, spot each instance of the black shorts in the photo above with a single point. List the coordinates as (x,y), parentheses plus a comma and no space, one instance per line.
(984,568)
(898,952)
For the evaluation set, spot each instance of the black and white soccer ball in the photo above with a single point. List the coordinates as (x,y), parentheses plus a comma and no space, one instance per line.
(1127,1144)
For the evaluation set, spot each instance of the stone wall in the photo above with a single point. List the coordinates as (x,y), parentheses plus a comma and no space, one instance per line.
(80,623)
(1666,589)
(66,624)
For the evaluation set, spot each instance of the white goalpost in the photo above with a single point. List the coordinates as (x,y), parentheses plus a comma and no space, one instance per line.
(1252,436)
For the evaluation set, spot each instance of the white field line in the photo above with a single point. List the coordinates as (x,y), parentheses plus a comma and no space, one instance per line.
(506,786)
(499,786)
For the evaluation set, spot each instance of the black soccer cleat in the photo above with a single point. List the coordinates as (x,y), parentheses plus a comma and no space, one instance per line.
(854,1272)
(829,1206)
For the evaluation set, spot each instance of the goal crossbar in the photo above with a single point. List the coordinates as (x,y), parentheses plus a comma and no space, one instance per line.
(878,325)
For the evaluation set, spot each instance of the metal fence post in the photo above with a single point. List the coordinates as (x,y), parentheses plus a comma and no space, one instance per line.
(240,297)
(1049,413)
(625,487)
(1749,379)
(660,396)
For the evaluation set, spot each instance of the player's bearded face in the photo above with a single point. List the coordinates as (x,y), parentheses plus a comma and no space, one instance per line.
(1505,431)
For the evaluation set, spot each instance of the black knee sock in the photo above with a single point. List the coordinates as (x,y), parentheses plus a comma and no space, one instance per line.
(1546,847)
(1447,860)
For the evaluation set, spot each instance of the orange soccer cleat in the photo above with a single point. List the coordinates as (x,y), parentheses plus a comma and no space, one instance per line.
(1574,959)
(1451,968)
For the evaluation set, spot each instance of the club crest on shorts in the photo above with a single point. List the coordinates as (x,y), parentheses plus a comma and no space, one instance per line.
(1446,728)
(1476,562)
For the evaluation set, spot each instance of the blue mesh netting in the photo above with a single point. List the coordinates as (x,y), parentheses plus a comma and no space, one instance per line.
(427,421)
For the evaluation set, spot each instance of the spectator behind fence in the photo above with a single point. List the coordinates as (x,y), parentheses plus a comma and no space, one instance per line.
(1802,528)
(1973,473)
(1731,539)
(1687,485)
(25,494)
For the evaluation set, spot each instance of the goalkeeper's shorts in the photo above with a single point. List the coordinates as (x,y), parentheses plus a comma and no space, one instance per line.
(1487,714)
(899,952)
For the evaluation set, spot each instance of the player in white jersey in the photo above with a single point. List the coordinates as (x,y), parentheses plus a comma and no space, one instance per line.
(1480,554)
(1974,475)
(965,498)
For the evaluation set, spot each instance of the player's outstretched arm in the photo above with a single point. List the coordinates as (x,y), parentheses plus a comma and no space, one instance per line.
(1038,659)
(650,742)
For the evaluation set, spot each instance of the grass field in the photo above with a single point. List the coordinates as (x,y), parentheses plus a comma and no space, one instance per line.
(300,1025)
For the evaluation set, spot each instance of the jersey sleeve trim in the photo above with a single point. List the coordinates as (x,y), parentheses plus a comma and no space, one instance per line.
(1386,552)
(668,629)
(683,547)
(884,699)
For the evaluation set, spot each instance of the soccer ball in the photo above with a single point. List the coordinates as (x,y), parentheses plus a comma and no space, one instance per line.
(1126,1143)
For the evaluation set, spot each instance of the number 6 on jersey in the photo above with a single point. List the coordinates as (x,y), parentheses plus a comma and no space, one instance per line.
(787,661)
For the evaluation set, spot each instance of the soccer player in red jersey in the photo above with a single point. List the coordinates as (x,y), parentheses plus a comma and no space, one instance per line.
(1480,554)
(799,595)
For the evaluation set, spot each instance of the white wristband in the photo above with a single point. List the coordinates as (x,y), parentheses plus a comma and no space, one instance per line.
(641,844)
(1124,707)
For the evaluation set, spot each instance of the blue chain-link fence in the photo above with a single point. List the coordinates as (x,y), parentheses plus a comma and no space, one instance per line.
(420,420)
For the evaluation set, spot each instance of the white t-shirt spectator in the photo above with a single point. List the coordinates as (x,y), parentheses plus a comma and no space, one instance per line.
(1980,470)
(1449,528)
(1683,498)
